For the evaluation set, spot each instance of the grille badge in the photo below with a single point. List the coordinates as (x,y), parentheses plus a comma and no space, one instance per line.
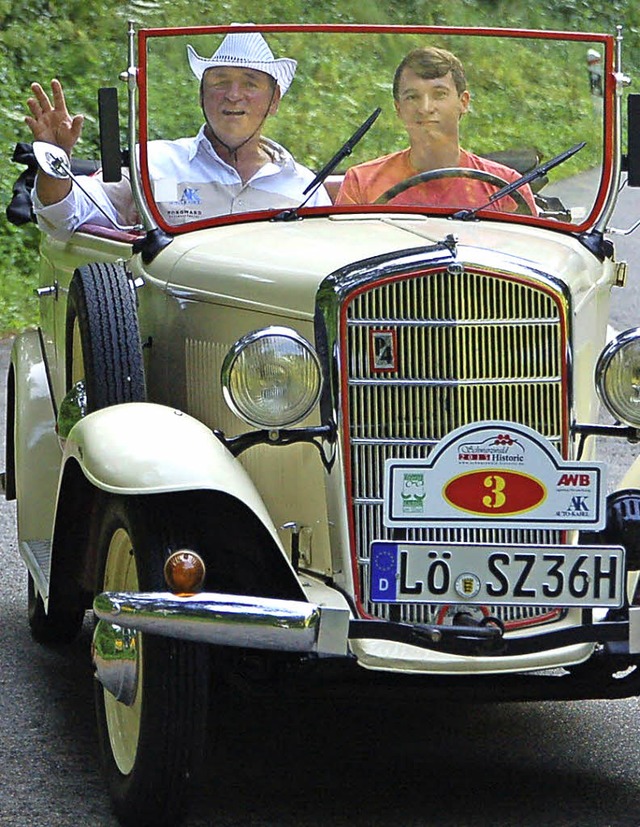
(383,350)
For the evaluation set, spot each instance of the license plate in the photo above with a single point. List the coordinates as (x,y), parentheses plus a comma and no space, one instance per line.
(560,576)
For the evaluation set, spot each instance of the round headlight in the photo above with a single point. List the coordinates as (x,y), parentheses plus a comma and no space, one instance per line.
(618,377)
(271,378)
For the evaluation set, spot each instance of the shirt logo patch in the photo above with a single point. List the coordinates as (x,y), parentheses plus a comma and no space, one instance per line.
(190,196)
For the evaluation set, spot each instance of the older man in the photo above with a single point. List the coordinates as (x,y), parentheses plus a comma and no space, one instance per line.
(228,167)
(431,96)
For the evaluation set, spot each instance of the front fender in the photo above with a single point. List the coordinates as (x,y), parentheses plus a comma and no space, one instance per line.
(145,448)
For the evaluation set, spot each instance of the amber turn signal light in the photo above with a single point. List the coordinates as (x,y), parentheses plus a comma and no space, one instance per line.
(184,572)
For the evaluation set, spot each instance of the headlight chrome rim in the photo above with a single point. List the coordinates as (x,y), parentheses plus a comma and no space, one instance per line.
(612,352)
(288,415)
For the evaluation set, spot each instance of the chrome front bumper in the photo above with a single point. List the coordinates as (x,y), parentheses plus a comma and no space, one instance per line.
(230,620)
(219,619)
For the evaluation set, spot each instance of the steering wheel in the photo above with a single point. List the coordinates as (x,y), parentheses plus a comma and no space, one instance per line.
(522,206)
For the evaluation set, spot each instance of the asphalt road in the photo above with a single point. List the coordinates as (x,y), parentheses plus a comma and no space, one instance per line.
(308,761)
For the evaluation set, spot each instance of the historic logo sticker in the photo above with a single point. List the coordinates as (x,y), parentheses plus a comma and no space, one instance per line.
(493,474)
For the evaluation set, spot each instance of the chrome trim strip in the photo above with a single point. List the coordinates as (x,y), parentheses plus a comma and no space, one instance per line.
(447,323)
(453,383)
(399,441)
(418,443)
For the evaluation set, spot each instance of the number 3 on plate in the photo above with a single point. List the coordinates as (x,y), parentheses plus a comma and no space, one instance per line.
(497,486)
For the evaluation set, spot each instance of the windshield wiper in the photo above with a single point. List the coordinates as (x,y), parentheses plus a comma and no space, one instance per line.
(345,150)
(538,172)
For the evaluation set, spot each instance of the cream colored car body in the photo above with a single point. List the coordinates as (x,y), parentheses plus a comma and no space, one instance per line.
(194,307)
(200,291)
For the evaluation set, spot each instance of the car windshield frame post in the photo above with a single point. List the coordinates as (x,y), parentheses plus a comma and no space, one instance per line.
(621,81)
(131,76)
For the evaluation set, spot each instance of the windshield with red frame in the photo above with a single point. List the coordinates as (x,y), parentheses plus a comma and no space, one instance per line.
(237,122)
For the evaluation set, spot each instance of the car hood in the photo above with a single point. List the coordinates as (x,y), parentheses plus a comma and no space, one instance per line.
(279,265)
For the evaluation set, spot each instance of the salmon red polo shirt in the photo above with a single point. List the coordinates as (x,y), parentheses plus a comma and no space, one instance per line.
(364,183)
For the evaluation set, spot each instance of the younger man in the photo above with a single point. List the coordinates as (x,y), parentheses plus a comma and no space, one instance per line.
(430,96)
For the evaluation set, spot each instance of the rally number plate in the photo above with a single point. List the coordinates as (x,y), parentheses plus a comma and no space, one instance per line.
(559,576)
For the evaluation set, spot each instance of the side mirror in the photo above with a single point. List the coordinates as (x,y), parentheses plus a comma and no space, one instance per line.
(52,159)
(633,140)
(109,119)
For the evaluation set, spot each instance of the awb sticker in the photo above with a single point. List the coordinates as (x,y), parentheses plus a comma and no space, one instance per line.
(494,474)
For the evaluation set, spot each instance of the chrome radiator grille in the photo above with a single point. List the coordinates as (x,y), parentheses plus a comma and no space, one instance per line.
(468,346)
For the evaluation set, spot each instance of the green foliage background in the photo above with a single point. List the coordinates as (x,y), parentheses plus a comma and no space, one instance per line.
(84,44)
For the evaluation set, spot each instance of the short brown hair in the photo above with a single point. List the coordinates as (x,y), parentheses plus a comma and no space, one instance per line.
(429,62)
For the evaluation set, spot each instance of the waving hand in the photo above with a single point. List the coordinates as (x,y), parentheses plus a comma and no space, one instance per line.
(52,122)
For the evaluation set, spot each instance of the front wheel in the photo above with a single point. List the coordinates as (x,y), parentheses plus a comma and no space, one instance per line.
(151,748)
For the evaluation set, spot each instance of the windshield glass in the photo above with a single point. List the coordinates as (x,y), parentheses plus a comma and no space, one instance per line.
(235,122)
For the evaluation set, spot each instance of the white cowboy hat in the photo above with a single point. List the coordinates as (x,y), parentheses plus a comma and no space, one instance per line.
(245,49)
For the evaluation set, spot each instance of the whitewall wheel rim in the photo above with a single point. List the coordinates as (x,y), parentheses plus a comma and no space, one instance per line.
(123,722)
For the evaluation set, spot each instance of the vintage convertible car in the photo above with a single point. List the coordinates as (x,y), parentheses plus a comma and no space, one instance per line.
(362,436)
